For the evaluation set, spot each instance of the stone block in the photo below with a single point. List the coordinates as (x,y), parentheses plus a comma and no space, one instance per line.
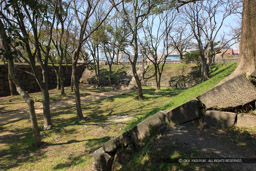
(235,92)
(111,145)
(125,138)
(146,127)
(101,161)
(246,120)
(184,113)
(214,118)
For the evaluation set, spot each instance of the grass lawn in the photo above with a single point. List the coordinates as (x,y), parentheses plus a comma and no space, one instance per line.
(70,144)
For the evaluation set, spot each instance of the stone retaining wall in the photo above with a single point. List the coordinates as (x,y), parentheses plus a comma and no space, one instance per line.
(115,150)
(28,82)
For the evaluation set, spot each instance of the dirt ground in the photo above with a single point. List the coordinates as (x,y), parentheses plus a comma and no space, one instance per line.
(19,110)
(193,142)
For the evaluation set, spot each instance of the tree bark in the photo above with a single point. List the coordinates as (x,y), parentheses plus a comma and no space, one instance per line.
(30,103)
(46,100)
(247,57)
(12,87)
(62,86)
(109,74)
(76,88)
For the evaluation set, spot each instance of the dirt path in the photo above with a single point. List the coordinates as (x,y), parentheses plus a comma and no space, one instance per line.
(207,143)
(20,111)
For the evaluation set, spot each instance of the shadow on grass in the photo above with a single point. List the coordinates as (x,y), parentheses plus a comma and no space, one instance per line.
(20,147)
(90,146)
(217,67)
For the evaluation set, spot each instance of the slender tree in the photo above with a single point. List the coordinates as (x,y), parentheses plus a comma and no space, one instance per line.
(29,20)
(9,55)
(84,33)
(156,42)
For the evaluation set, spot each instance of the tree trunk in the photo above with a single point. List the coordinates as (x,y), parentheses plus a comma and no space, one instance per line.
(77,93)
(46,100)
(117,55)
(109,74)
(98,65)
(136,51)
(58,79)
(204,68)
(12,87)
(30,103)
(137,79)
(156,77)
(61,77)
(247,57)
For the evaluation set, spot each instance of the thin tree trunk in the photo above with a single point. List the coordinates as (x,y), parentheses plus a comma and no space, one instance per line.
(98,65)
(156,77)
(77,93)
(109,75)
(12,87)
(61,77)
(57,79)
(30,103)
(46,100)
(204,68)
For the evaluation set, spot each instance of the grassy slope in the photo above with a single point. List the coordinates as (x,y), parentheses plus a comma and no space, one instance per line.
(219,72)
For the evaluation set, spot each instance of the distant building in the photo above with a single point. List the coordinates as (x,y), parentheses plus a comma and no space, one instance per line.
(227,51)
(237,52)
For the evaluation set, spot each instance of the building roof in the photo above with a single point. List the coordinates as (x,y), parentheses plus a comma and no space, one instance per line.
(228,51)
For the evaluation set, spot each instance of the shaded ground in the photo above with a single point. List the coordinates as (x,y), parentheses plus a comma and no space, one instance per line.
(19,110)
(188,142)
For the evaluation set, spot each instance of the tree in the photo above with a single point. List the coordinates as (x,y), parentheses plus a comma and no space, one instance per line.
(247,58)
(83,34)
(202,19)
(61,41)
(180,39)
(9,55)
(27,20)
(133,13)
(154,39)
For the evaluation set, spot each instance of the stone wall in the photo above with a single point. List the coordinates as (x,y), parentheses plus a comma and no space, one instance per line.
(114,152)
(28,81)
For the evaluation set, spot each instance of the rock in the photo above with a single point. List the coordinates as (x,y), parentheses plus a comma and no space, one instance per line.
(235,92)
(184,113)
(147,127)
(87,76)
(125,138)
(246,120)
(111,145)
(101,160)
(214,118)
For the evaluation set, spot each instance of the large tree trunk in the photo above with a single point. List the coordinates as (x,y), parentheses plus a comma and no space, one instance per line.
(247,57)
(30,103)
